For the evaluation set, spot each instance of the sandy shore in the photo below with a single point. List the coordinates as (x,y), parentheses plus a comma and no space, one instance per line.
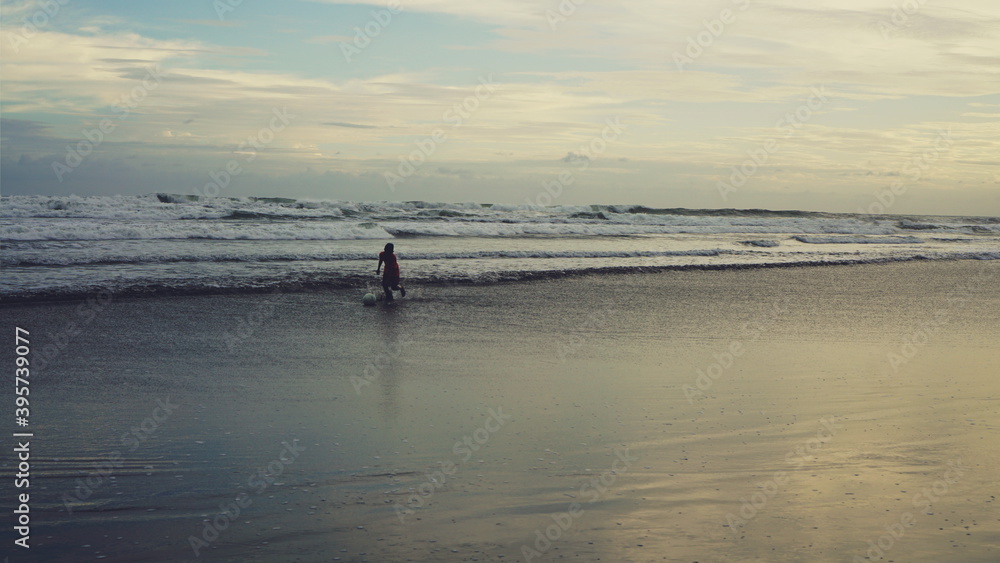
(800,414)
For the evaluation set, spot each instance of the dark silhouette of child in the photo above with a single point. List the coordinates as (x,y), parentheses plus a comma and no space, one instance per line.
(390,279)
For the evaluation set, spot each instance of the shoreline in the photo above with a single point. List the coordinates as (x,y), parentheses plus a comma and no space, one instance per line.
(492,279)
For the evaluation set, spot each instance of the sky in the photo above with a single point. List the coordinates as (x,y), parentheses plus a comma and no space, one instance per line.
(840,106)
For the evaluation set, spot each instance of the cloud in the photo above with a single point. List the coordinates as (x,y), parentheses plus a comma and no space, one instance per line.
(328,39)
(351,125)
(462,172)
(507,12)
(555,87)
(935,51)
(23,136)
(22,128)
(572,157)
(211,23)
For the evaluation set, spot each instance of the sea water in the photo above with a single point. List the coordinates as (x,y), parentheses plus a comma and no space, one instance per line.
(59,247)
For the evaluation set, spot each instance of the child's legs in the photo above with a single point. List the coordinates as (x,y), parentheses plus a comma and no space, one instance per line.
(391,281)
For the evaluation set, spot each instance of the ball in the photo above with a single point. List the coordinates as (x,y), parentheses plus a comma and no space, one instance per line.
(368,299)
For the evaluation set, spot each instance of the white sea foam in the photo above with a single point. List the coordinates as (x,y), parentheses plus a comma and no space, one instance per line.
(84,229)
(346,229)
(630,219)
(160,242)
(82,256)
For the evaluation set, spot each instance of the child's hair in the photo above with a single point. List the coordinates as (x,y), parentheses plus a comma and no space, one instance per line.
(389,247)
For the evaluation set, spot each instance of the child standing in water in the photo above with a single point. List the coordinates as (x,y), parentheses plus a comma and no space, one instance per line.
(390,279)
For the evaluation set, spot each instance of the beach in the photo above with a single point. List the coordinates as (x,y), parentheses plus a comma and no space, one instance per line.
(378,281)
(774,414)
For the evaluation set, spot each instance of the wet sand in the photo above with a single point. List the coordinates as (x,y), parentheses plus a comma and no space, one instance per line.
(792,414)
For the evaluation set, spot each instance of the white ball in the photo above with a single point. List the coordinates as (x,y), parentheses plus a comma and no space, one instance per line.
(368,299)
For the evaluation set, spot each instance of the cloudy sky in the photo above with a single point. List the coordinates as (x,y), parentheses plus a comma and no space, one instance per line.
(827,105)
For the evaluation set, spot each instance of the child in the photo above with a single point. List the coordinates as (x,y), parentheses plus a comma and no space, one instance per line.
(390,279)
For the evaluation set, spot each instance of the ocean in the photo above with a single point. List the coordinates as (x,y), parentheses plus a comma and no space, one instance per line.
(167,244)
